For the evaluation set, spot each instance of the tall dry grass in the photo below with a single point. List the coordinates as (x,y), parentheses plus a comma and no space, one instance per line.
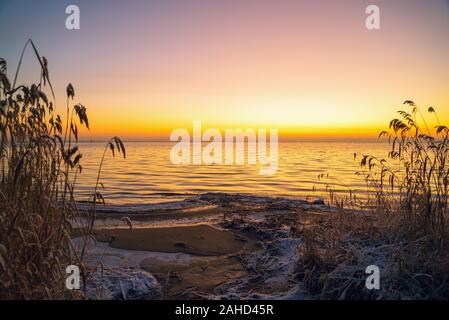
(40,161)
(412,182)
(401,223)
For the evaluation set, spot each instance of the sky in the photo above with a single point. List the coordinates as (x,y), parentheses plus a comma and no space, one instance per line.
(306,68)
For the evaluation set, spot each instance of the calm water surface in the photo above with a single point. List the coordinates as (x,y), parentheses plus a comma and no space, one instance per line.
(148,176)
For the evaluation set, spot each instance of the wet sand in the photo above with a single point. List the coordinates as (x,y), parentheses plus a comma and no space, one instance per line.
(213,254)
(202,239)
(201,274)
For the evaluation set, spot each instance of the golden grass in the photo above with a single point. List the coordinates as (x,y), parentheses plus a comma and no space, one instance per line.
(40,161)
(402,224)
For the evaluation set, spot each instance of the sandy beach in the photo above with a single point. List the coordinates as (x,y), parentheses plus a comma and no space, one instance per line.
(209,246)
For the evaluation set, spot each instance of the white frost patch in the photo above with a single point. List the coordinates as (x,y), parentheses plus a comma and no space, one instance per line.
(97,252)
(276,263)
(278,260)
(122,283)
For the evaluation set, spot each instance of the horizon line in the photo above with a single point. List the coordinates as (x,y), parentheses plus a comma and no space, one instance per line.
(371,139)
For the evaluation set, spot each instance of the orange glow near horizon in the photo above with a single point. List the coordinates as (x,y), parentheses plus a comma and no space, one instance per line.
(307,68)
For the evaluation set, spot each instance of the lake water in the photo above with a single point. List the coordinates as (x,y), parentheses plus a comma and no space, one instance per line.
(148,176)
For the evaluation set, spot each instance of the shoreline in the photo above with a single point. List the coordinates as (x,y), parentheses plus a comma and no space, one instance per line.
(231,246)
(213,245)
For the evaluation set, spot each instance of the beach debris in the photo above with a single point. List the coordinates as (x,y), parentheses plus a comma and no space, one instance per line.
(127,220)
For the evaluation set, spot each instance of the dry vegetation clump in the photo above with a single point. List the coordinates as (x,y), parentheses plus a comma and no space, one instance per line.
(336,252)
(402,226)
(415,187)
(40,161)
(335,247)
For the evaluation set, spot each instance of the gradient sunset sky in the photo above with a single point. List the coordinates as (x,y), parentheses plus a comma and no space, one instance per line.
(308,68)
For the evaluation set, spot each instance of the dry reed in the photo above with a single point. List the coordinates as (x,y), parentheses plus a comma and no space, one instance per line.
(40,161)
(401,224)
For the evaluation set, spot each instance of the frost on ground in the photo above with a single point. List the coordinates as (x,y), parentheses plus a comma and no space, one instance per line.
(305,252)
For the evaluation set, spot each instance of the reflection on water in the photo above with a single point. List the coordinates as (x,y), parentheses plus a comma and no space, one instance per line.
(147,175)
